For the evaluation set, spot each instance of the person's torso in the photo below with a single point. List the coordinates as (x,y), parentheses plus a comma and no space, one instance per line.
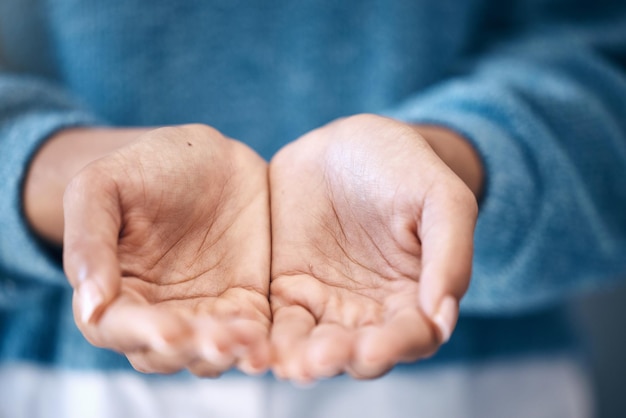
(262,72)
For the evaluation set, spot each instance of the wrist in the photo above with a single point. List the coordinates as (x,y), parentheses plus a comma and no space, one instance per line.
(457,153)
(54,165)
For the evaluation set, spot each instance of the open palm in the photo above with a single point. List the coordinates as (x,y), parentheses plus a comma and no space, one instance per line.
(365,220)
(167,245)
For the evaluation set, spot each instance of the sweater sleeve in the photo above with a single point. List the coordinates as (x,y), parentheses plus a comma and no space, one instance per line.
(31,110)
(546,111)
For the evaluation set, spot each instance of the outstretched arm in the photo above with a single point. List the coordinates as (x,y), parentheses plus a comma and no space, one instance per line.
(31,110)
(546,111)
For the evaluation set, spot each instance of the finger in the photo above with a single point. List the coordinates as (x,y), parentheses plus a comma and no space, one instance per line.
(166,355)
(291,328)
(92,225)
(405,337)
(240,342)
(225,344)
(127,327)
(446,233)
(329,350)
(253,339)
(218,347)
(203,368)
(152,361)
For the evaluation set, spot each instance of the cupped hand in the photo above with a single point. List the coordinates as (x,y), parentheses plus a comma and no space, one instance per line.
(167,245)
(371,249)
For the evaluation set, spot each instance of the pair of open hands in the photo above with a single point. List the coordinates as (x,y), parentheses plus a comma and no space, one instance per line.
(348,253)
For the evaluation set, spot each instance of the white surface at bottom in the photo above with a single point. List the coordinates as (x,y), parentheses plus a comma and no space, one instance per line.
(537,388)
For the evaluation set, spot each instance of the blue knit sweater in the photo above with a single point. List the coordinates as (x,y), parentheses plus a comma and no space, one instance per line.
(538,86)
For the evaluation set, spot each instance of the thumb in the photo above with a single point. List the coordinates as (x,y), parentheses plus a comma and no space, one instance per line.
(446,233)
(92,225)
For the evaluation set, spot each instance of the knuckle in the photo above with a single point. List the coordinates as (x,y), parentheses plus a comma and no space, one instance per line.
(91,179)
(460,195)
(78,185)
(468,200)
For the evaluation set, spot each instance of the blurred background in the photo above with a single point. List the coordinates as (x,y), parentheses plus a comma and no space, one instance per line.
(603,318)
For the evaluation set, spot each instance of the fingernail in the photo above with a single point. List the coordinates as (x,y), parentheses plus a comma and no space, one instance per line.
(90,299)
(446,317)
